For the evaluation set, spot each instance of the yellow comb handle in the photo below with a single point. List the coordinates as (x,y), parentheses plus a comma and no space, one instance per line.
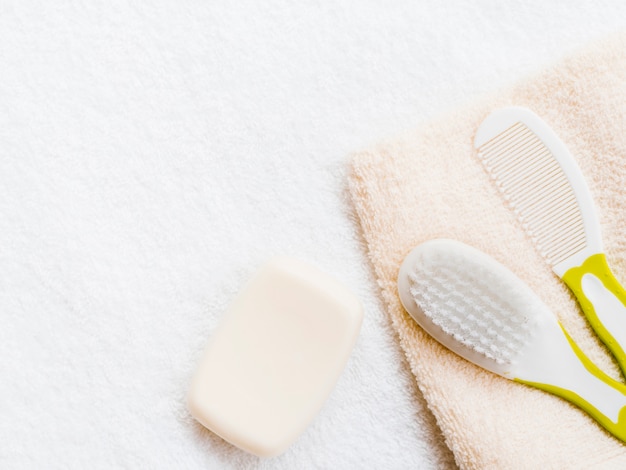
(603,300)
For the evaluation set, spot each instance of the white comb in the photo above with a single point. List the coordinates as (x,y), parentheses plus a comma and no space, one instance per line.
(543,185)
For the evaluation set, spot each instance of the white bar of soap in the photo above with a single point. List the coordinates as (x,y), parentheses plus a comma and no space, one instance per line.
(275,357)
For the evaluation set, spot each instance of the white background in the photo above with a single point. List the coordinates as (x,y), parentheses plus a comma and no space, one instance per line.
(153,156)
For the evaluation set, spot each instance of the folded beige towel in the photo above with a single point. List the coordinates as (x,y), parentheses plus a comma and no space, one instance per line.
(430,184)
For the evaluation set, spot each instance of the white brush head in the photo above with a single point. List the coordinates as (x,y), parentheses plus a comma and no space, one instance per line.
(472,304)
(541,182)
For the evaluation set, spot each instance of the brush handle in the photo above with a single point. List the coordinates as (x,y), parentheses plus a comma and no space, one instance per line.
(603,300)
(573,377)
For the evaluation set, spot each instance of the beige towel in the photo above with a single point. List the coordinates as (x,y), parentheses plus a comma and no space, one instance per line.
(430,184)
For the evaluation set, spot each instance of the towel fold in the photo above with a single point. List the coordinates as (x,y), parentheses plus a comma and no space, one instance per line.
(430,184)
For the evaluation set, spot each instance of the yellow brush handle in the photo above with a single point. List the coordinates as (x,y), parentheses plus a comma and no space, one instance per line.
(603,300)
(605,390)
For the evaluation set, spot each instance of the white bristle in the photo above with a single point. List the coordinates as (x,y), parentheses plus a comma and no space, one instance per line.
(536,188)
(486,309)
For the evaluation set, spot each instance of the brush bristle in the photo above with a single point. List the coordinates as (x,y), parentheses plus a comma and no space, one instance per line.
(480,304)
(536,188)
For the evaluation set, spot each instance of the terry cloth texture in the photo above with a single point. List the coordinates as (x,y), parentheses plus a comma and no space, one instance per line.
(430,184)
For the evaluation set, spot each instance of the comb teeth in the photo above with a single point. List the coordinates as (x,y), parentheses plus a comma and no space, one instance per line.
(535,187)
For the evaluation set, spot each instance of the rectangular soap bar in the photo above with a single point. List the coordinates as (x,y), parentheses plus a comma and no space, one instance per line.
(275,357)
